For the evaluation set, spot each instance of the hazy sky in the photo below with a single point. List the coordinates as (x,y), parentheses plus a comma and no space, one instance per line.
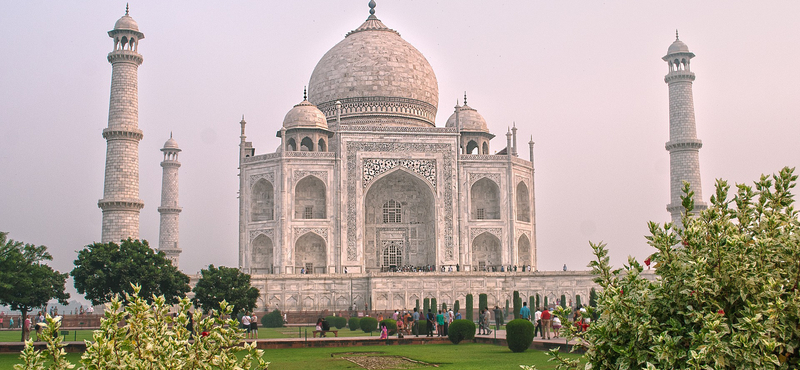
(584,78)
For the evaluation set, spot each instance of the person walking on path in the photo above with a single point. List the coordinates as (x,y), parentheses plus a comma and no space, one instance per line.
(498,317)
(546,323)
(537,320)
(486,318)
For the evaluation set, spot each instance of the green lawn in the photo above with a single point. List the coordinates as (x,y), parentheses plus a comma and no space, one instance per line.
(263,333)
(447,356)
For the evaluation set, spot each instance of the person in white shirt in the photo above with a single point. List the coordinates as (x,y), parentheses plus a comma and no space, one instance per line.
(537,320)
(246,325)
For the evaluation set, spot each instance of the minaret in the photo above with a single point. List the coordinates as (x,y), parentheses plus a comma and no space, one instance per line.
(121,203)
(168,234)
(683,145)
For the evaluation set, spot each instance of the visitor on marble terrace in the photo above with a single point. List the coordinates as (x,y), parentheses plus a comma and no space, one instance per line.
(443,268)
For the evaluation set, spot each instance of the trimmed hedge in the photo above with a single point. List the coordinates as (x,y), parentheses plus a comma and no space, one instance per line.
(519,335)
(354,323)
(341,322)
(460,330)
(273,319)
(391,326)
(456,307)
(368,324)
(470,308)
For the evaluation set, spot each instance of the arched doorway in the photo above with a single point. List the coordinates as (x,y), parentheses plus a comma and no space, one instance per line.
(309,254)
(486,252)
(309,198)
(524,250)
(485,200)
(262,202)
(262,258)
(523,203)
(399,223)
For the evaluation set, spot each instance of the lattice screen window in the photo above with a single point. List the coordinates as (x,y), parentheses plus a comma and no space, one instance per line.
(391,212)
(481,214)
(392,256)
(309,267)
(308,213)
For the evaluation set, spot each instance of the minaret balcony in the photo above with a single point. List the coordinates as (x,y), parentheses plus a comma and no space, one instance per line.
(122,134)
(125,56)
(120,205)
(679,76)
(685,144)
(169,209)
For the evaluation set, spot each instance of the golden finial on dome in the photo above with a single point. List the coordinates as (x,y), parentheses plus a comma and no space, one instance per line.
(126,8)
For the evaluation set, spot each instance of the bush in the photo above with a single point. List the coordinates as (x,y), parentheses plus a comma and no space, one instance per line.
(456,307)
(273,319)
(391,325)
(519,335)
(354,323)
(138,333)
(368,324)
(460,330)
(341,322)
(518,305)
(483,301)
(725,295)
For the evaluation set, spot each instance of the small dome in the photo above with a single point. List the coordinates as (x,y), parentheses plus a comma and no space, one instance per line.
(305,115)
(126,23)
(171,143)
(469,119)
(677,47)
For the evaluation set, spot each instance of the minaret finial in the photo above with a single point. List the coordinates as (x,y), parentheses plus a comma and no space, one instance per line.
(371,7)
(126,8)
(676,34)
(305,95)
(465,98)
(170,134)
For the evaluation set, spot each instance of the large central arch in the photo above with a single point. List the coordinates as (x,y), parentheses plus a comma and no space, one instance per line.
(399,222)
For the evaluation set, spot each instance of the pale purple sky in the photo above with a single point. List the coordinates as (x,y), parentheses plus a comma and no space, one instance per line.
(585,78)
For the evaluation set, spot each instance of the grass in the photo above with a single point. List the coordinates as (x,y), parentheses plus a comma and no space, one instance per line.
(263,333)
(446,356)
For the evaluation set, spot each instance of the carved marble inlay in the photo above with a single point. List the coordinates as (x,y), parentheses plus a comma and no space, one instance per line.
(475,231)
(300,231)
(520,179)
(475,176)
(269,176)
(256,233)
(447,171)
(521,232)
(322,175)
(373,167)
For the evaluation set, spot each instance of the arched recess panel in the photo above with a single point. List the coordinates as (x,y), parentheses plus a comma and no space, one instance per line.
(472,147)
(399,222)
(485,148)
(309,253)
(523,203)
(309,199)
(485,200)
(291,145)
(262,202)
(486,252)
(307,145)
(322,146)
(524,250)
(262,256)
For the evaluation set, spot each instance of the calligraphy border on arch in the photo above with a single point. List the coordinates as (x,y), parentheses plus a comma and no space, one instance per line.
(374,167)
(475,231)
(353,148)
(269,176)
(527,233)
(321,231)
(475,176)
(298,175)
(255,233)
(522,179)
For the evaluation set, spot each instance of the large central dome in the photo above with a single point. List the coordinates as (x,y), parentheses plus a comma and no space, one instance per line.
(379,78)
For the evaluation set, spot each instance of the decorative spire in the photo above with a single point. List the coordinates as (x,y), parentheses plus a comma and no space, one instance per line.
(676,34)
(126,8)
(305,95)
(465,98)
(170,133)
(371,7)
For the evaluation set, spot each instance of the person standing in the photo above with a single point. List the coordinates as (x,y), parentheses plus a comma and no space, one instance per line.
(546,323)
(537,317)
(246,325)
(430,319)
(486,319)
(525,312)
(26,329)
(254,326)
(498,317)
(415,318)
(440,324)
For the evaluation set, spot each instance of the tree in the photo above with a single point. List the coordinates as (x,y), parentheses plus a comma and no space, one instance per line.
(433,307)
(593,298)
(104,270)
(470,308)
(456,306)
(537,301)
(563,301)
(517,304)
(577,300)
(483,301)
(224,284)
(426,304)
(141,335)
(727,292)
(25,281)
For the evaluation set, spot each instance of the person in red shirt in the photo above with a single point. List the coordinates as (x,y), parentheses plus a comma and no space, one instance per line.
(546,322)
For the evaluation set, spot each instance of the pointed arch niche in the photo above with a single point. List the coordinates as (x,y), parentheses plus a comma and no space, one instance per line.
(486,252)
(523,203)
(309,199)
(263,256)
(524,250)
(485,200)
(262,202)
(309,253)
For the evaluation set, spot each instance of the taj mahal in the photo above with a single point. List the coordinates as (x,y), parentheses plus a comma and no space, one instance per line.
(367,200)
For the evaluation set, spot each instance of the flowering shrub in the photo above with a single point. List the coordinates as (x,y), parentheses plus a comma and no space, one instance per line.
(726,296)
(151,338)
